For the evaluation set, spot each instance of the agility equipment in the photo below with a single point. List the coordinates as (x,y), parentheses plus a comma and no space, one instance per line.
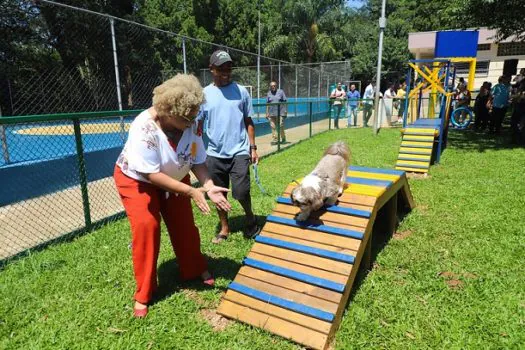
(296,280)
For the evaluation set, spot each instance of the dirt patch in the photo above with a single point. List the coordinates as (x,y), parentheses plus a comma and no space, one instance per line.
(453,280)
(418,176)
(217,322)
(422,208)
(402,234)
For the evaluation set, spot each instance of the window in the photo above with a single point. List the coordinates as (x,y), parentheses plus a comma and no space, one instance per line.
(483,47)
(482,68)
(510,67)
(511,49)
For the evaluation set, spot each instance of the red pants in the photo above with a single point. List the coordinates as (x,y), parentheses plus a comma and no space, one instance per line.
(144,204)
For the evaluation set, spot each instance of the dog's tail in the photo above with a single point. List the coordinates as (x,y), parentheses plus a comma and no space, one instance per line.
(339,149)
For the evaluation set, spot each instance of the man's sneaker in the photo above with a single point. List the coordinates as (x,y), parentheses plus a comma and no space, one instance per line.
(252,231)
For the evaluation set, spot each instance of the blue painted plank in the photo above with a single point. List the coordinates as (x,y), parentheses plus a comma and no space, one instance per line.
(369,182)
(412,166)
(287,304)
(435,122)
(323,253)
(332,208)
(376,170)
(315,227)
(299,276)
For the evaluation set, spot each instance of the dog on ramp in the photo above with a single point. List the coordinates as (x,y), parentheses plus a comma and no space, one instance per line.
(325,183)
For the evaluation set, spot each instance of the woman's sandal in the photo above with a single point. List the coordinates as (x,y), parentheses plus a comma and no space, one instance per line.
(219,237)
(208,280)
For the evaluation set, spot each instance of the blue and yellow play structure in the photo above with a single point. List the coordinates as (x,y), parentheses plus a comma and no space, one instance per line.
(431,82)
(296,280)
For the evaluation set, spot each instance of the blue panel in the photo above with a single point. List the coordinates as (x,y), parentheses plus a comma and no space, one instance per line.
(332,208)
(457,43)
(377,170)
(369,182)
(425,121)
(315,227)
(299,276)
(287,304)
(323,253)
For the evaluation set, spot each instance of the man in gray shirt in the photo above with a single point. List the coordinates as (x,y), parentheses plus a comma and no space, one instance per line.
(276,95)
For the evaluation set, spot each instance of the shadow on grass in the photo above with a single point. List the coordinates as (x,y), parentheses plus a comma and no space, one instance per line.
(170,282)
(238,223)
(480,141)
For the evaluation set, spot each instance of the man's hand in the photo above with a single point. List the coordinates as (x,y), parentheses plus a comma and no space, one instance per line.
(217,196)
(255,157)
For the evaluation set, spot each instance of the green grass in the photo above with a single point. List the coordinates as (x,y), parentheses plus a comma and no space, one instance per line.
(455,279)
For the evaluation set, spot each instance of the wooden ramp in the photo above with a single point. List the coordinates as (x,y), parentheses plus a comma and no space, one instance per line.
(417,145)
(296,279)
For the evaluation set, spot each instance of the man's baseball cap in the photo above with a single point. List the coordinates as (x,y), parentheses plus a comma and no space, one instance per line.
(220,57)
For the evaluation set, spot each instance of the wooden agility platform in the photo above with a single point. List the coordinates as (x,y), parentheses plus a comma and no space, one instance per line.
(417,145)
(296,279)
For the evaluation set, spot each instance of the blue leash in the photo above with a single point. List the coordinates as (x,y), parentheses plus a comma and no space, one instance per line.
(258,180)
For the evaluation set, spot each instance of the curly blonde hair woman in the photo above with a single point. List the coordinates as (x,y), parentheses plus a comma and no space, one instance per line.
(151,175)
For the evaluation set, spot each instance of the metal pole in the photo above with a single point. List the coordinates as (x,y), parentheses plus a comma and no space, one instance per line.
(319,88)
(5,150)
(117,77)
(279,77)
(258,57)
(82,174)
(296,100)
(382,25)
(184,53)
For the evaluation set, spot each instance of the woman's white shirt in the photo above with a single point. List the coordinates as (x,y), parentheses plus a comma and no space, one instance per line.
(149,151)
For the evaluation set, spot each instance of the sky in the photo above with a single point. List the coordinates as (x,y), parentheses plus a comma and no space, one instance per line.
(355,3)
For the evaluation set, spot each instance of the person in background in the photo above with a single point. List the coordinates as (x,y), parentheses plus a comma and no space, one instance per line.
(390,95)
(338,96)
(400,95)
(368,102)
(276,114)
(499,101)
(227,113)
(152,179)
(353,97)
(480,107)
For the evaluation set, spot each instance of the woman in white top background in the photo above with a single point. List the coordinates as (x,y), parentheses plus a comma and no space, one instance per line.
(151,175)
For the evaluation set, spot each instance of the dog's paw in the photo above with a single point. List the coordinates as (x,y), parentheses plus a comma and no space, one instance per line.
(302,216)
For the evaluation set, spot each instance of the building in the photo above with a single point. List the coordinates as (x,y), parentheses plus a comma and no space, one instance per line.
(493,59)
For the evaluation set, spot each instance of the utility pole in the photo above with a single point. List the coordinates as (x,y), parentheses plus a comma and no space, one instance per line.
(382,25)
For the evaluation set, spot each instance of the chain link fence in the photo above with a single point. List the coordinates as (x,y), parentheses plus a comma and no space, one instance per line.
(59,142)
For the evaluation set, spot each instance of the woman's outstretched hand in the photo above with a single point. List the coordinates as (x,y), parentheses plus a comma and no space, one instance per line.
(217,196)
(197,194)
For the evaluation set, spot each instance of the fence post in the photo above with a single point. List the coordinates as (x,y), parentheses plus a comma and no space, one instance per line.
(82,173)
(278,126)
(310,115)
(117,77)
(295,105)
(5,150)
(184,53)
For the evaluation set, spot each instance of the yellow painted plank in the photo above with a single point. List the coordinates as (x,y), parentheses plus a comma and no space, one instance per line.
(417,150)
(424,158)
(412,162)
(366,190)
(420,130)
(418,138)
(373,176)
(412,170)
(416,143)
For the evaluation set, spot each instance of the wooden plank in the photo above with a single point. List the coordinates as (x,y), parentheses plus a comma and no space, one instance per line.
(303,258)
(329,275)
(278,312)
(374,176)
(412,170)
(355,206)
(321,222)
(414,144)
(312,237)
(286,329)
(410,162)
(409,137)
(331,208)
(415,150)
(287,294)
(423,158)
(347,197)
(324,216)
(371,191)
(289,283)
(286,238)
